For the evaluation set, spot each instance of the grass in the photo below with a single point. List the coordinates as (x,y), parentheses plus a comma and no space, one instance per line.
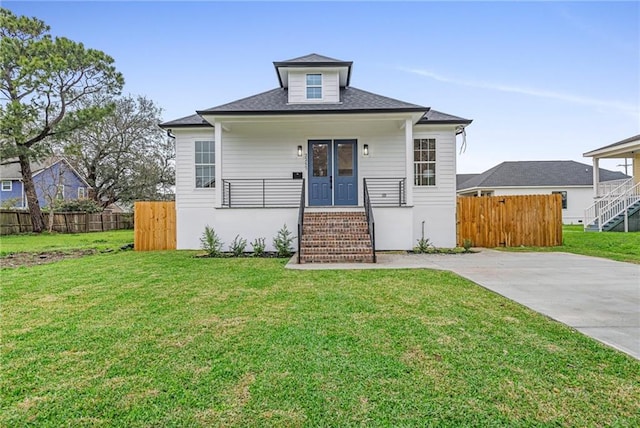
(623,247)
(165,339)
(33,243)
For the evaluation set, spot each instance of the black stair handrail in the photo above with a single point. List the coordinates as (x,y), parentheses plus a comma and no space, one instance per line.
(301,219)
(371,224)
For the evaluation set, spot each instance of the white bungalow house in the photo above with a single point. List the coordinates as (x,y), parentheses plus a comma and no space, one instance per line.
(616,205)
(348,171)
(573,180)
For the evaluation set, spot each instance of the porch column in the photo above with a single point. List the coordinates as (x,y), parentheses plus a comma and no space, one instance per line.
(218,162)
(596,176)
(408,135)
(635,172)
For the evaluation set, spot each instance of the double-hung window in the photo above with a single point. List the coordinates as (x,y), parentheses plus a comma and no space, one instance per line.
(6,185)
(564,198)
(424,162)
(205,164)
(60,192)
(314,86)
(82,193)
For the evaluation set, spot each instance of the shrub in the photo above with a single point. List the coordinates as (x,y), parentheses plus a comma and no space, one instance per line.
(211,242)
(424,246)
(237,246)
(83,204)
(283,242)
(9,203)
(258,246)
(467,244)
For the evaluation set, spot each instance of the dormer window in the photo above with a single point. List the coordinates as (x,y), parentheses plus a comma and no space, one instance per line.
(314,86)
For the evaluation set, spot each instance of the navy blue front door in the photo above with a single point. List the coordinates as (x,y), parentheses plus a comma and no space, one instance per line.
(345,172)
(320,172)
(333,172)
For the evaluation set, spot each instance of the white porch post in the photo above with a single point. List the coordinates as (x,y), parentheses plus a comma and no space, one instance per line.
(408,135)
(218,162)
(596,176)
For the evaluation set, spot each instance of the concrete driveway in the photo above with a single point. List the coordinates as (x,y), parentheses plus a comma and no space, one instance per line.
(598,297)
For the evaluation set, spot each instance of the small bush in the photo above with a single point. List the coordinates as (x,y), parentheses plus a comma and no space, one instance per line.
(258,246)
(467,244)
(424,246)
(283,242)
(237,246)
(9,203)
(84,205)
(211,242)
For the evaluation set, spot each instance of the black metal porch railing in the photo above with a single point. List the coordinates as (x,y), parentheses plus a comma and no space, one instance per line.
(387,192)
(301,219)
(261,192)
(371,224)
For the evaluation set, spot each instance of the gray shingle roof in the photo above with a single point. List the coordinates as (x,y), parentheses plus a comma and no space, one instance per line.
(313,57)
(435,117)
(461,178)
(276,101)
(538,173)
(192,120)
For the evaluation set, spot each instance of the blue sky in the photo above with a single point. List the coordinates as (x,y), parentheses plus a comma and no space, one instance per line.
(541,80)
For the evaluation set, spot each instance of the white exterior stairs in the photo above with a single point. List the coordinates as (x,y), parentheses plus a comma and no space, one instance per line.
(335,237)
(611,209)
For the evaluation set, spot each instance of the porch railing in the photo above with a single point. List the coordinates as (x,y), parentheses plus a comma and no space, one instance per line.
(614,187)
(261,192)
(301,219)
(612,204)
(387,191)
(371,224)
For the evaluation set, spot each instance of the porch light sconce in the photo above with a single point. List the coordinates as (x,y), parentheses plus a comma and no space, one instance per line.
(365,150)
(299,151)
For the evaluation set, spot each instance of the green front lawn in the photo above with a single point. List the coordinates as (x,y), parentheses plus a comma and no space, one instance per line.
(33,243)
(620,246)
(166,339)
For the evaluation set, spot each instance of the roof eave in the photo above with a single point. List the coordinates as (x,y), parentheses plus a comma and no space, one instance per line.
(303,112)
(445,122)
(184,125)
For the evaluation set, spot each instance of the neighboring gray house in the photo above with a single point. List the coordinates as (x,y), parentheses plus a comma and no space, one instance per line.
(573,180)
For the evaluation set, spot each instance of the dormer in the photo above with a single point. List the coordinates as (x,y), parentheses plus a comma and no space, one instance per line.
(313,79)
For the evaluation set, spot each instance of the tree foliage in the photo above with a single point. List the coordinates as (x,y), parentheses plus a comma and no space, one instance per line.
(124,156)
(44,82)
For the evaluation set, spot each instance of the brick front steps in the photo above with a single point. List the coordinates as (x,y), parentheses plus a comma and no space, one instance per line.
(335,237)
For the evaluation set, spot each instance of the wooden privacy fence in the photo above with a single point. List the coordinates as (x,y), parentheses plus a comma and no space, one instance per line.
(510,221)
(15,221)
(155,226)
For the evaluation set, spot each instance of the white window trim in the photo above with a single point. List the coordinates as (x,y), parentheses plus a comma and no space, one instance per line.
(307,86)
(60,192)
(84,193)
(10,188)
(195,165)
(434,162)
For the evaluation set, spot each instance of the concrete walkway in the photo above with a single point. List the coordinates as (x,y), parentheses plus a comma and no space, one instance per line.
(598,297)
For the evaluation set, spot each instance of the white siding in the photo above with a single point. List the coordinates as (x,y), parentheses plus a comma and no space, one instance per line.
(298,86)
(187,196)
(444,192)
(436,205)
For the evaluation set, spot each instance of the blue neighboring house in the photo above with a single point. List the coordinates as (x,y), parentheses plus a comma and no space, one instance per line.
(53,178)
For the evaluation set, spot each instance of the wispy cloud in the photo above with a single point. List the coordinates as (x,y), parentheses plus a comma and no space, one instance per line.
(541,93)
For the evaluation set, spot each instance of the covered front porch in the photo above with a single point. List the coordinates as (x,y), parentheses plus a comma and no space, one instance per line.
(616,203)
